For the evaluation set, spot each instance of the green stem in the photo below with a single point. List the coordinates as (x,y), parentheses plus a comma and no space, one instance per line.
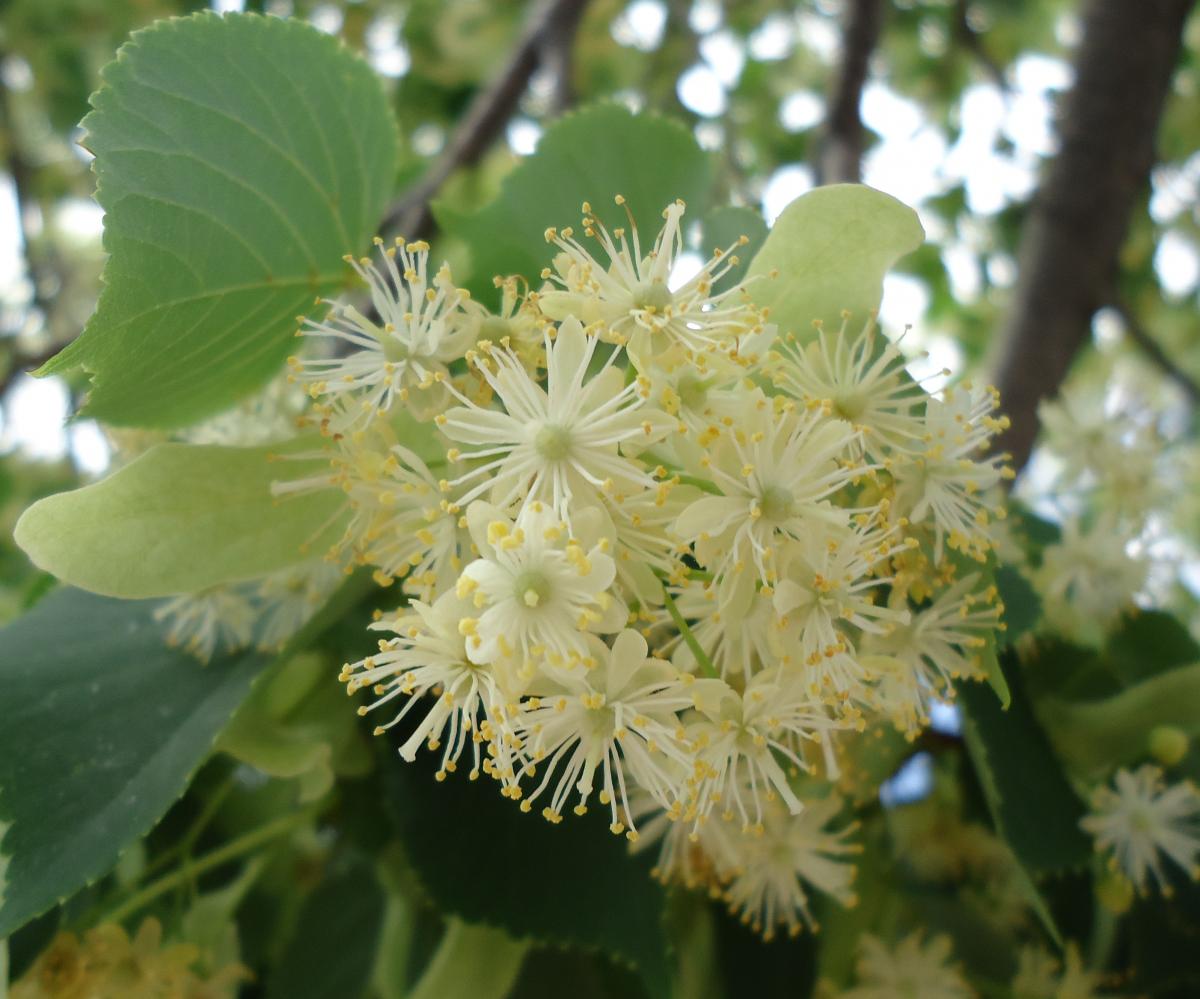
(1104,935)
(188,840)
(246,843)
(702,660)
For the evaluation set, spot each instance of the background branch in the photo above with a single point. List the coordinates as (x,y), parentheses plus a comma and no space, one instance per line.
(839,153)
(970,39)
(1067,256)
(1154,351)
(545,40)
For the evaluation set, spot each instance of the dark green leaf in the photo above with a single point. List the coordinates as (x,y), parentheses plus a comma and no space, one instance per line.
(1148,643)
(484,860)
(1164,938)
(238,159)
(1032,803)
(591,155)
(1022,606)
(332,950)
(785,968)
(103,726)
(723,227)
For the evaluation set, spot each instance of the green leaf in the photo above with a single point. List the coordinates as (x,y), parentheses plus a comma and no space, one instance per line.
(472,962)
(570,883)
(1148,643)
(181,518)
(723,227)
(295,725)
(1096,735)
(1022,606)
(783,969)
(1032,803)
(103,726)
(590,155)
(831,248)
(238,158)
(332,950)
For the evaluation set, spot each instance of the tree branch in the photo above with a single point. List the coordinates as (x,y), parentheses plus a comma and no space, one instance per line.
(1155,353)
(548,33)
(839,154)
(970,39)
(21,171)
(1067,257)
(23,364)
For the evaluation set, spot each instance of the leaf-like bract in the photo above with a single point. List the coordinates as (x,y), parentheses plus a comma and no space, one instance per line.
(181,518)
(829,251)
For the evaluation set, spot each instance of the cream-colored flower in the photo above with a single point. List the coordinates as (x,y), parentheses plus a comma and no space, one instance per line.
(632,300)
(615,721)
(826,595)
(746,746)
(1141,819)
(1088,577)
(911,969)
(403,357)
(537,589)
(1041,976)
(426,665)
(783,859)
(219,619)
(860,379)
(950,481)
(775,470)
(567,445)
(107,964)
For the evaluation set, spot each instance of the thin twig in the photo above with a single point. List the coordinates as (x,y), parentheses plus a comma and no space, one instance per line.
(1155,353)
(839,155)
(972,41)
(24,364)
(244,844)
(21,171)
(549,29)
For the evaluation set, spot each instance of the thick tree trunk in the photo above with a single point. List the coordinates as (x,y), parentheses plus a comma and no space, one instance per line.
(1069,247)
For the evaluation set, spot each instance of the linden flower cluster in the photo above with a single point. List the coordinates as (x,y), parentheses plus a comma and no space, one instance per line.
(653,553)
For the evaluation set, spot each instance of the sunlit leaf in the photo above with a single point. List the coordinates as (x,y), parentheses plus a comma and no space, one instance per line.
(238,159)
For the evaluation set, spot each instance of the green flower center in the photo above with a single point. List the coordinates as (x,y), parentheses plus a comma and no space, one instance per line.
(693,392)
(553,442)
(776,503)
(849,405)
(394,349)
(494,328)
(532,588)
(651,295)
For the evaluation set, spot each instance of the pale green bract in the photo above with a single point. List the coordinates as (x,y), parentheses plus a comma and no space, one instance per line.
(182,518)
(831,248)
